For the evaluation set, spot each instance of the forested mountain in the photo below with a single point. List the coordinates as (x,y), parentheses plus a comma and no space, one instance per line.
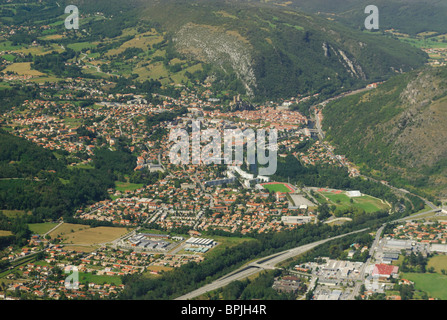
(279,52)
(397,129)
(409,16)
(259,49)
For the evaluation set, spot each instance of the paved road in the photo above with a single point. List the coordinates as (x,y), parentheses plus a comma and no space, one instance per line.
(264,263)
(43,236)
(356,290)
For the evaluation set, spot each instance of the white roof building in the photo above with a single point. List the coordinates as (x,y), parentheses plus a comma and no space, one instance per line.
(354,193)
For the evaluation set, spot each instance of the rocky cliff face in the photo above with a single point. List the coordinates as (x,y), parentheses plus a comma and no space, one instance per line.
(419,130)
(228,50)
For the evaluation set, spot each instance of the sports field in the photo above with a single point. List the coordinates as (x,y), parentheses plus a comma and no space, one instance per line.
(365,202)
(277,187)
(127,186)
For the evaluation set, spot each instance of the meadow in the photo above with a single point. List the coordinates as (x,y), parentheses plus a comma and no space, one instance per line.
(23,68)
(432,283)
(15,213)
(438,262)
(41,228)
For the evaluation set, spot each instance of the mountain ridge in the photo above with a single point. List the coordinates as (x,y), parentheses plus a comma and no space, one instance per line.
(314,53)
(397,129)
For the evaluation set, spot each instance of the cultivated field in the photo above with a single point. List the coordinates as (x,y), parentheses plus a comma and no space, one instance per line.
(142,41)
(4,233)
(23,68)
(87,236)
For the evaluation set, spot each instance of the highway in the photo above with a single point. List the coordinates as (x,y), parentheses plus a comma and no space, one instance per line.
(265,263)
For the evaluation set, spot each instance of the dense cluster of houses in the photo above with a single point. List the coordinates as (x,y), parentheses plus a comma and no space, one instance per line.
(422,232)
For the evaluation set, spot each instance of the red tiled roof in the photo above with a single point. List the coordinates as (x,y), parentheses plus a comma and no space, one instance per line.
(385,269)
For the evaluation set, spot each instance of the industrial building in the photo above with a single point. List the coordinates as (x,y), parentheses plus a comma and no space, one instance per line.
(141,241)
(201,242)
(296,219)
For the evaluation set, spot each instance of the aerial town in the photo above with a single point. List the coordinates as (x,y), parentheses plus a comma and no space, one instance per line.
(98,202)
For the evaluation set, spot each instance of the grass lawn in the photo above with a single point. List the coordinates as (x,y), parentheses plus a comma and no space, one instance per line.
(127,186)
(9,57)
(367,203)
(438,262)
(277,187)
(72,122)
(432,283)
(79,46)
(41,228)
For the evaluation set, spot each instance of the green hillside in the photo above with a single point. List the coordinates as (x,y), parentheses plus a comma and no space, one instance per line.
(279,52)
(257,49)
(411,17)
(396,132)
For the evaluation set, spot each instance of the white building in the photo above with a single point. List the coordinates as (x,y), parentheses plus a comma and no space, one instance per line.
(353,194)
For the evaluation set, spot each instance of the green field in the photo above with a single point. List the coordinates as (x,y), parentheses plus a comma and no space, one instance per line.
(438,262)
(432,283)
(8,57)
(79,46)
(367,203)
(81,166)
(277,187)
(421,43)
(41,228)
(14,213)
(127,186)
(224,243)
